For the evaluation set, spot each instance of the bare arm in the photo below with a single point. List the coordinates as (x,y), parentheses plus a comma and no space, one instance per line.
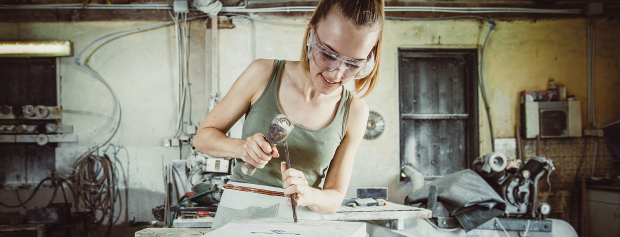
(211,136)
(328,200)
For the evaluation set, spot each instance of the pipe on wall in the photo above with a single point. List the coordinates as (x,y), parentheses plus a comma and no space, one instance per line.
(300,8)
(215,64)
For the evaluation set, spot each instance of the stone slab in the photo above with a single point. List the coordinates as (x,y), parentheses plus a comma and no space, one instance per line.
(286,227)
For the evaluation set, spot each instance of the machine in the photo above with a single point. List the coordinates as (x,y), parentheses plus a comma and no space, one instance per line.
(517,186)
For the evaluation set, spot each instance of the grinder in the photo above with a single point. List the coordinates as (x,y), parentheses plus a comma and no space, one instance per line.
(280,127)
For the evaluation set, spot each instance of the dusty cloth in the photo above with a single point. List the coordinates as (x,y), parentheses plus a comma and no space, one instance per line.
(466,196)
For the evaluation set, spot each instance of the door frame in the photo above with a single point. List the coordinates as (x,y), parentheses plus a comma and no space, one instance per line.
(471,53)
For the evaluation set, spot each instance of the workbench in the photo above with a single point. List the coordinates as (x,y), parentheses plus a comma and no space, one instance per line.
(172,232)
(391,215)
(38,230)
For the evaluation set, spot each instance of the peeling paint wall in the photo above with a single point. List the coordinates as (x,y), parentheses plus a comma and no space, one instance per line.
(141,67)
(525,54)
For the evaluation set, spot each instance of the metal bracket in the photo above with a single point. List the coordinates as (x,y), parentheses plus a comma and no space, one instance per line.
(24,128)
(512,224)
(30,129)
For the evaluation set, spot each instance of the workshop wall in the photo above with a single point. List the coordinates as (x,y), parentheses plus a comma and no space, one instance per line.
(525,54)
(141,69)
(521,54)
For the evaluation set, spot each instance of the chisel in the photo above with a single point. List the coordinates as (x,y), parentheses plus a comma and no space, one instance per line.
(288,166)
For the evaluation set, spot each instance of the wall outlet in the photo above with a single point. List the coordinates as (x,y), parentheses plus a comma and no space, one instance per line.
(216,165)
(592,133)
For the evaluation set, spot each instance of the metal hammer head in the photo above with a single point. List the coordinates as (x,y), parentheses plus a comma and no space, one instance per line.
(280,127)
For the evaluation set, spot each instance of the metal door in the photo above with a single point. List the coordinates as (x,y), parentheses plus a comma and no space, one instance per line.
(438,110)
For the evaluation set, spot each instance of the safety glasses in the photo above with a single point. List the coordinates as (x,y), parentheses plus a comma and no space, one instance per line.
(329,60)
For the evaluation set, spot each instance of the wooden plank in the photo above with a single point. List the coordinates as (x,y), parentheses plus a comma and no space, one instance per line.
(405,88)
(459,88)
(444,92)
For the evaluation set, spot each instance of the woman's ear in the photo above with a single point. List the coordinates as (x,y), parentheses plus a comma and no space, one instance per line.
(308,33)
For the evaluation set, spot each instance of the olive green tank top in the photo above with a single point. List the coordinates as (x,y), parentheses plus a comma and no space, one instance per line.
(310,151)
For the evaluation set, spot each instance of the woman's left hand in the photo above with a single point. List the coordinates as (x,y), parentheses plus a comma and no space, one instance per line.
(295,182)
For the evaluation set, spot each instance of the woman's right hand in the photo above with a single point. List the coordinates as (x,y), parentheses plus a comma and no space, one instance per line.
(257,151)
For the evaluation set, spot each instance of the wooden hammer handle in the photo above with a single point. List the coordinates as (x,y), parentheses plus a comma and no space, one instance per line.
(249,169)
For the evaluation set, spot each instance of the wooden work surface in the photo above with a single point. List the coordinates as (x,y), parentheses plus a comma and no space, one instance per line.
(390,211)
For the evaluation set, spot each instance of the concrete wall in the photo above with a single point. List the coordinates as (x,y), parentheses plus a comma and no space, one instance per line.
(141,68)
(521,54)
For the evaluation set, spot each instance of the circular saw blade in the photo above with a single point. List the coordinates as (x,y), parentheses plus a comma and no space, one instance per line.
(375,125)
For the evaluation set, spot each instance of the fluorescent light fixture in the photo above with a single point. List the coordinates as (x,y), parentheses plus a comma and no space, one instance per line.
(35,48)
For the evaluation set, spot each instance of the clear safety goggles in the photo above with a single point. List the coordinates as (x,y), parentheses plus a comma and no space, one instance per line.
(329,60)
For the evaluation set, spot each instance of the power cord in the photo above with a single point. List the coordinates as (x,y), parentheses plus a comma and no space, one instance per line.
(96,187)
(56,182)
(185,200)
(481,73)
(78,62)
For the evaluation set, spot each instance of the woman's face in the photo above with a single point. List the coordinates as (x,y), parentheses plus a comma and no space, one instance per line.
(345,38)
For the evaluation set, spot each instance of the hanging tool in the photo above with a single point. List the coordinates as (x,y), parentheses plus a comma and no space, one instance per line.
(280,127)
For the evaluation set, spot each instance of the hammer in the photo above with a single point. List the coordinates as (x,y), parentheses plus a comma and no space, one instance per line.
(280,127)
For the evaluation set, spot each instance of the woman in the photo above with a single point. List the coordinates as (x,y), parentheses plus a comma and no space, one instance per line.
(342,43)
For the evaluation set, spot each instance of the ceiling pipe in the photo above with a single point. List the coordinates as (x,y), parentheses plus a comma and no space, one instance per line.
(300,8)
